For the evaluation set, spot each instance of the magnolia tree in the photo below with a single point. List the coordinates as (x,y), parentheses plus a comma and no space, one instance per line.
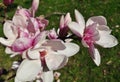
(43,51)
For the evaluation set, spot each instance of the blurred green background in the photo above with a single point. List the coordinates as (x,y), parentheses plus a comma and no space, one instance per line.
(80,67)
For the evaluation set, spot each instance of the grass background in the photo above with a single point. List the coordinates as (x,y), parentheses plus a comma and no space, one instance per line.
(80,67)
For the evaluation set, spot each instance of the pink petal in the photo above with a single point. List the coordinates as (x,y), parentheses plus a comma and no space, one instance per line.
(80,20)
(21,44)
(55,44)
(97,19)
(76,29)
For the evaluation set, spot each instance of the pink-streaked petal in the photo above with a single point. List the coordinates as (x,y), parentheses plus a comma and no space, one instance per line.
(107,41)
(21,44)
(84,43)
(58,60)
(20,21)
(76,29)
(9,31)
(28,70)
(70,50)
(35,4)
(101,20)
(33,25)
(40,38)
(52,34)
(97,58)
(62,22)
(6,42)
(55,44)
(80,20)
(67,19)
(47,76)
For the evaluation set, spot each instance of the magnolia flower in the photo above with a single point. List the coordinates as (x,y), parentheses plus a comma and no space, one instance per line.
(52,34)
(95,31)
(8,2)
(40,59)
(21,31)
(63,31)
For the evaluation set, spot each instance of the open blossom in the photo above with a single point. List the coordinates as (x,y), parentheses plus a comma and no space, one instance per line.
(21,31)
(63,28)
(95,31)
(40,59)
(8,2)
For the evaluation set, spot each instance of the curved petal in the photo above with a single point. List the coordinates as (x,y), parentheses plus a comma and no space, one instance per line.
(96,58)
(76,29)
(55,44)
(107,41)
(103,29)
(47,76)
(58,60)
(28,70)
(80,20)
(9,31)
(101,20)
(20,21)
(70,50)
(6,42)
(32,54)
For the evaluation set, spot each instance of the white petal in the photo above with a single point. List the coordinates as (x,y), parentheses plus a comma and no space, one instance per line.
(103,29)
(70,50)
(6,42)
(8,30)
(97,19)
(48,76)
(107,41)
(97,58)
(80,19)
(28,70)
(33,54)
(76,29)
(55,44)
(55,61)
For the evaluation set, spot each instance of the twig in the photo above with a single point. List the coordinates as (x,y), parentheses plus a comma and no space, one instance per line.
(54,13)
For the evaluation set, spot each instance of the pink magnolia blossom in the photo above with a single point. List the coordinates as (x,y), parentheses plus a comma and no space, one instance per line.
(64,25)
(38,61)
(8,2)
(95,31)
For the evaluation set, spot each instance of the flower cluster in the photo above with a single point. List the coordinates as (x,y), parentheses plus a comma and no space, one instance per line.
(44,51)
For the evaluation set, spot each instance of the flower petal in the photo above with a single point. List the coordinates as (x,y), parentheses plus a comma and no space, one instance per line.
(101,20)
(32,54)
(6,42)
(107,41)
(58,60)
(47,76)
(97,58)
(76,29)
(28,70)
(70,50)
(9,31)
(80,20)
(103,29)
(55,44)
